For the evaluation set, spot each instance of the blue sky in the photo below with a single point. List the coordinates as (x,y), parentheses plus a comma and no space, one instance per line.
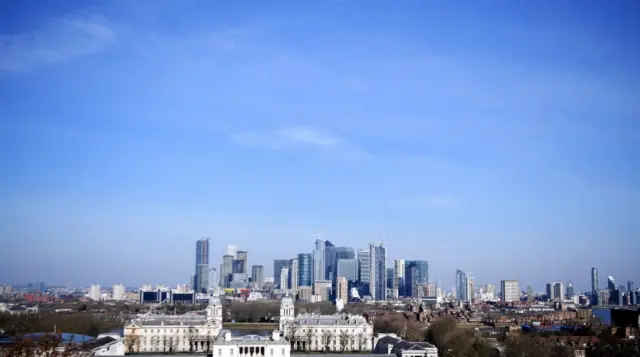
(493,137)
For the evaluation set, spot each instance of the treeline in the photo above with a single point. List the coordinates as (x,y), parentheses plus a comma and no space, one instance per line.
(85,324)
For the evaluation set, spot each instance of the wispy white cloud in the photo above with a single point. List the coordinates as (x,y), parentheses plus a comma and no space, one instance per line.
(429,202)
(61,40)
(293,137)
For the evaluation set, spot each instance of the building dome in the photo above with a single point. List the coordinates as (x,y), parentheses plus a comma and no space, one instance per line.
(215,301)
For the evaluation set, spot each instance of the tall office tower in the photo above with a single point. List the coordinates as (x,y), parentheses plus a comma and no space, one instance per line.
(342,289)
(226,270)
(398,278)
(529,293)
(329,261)
(611,283)
(378,271)
(118,292)
(630,286)
(278,264)
(201,278)
(594,286)
(232,250)
(237,266)
(462,286)
(305,264)
(491,291)
(294,273)
(390,275)
(551,293)
(257,276)
(242,256)
(95,293)
(348,268)
(510,290)
(364,271)
(318,261)
(418,278)
(472,288)
(284,277)
(570,291)
(558,290)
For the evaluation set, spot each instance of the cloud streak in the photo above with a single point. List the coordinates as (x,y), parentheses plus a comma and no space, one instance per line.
(299,137)
(61,40)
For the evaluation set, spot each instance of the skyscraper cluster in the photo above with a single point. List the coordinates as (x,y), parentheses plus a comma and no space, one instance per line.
(331,272)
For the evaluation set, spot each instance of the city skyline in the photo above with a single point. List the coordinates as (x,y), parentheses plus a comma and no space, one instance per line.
(451,136)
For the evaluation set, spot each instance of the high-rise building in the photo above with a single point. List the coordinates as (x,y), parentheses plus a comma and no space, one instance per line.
(95,293)
(510,290)
(117,292)
(278,264)
(342,289)
(611,283)
(630,287)
(364,271)
(594,286)
(242,255)
(348,268)
(378,271)
(570,291)
(529,293)
(398,278)
(226,270)
(284,278)
(257,276)
(329,260)
(551,293)
(390,275)
(462,286)
(319,261)
(305,264)
(294,273)
(237,266)
(558,291)
(201,278)
(415,277)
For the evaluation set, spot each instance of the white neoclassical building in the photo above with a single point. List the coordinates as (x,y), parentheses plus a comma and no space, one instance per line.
(313,332)
(227,345)
(190,332)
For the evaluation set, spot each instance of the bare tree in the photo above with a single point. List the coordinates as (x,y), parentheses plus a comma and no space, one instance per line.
(309,338)
(362,344)
(191,336)
(327,336)
(344,340)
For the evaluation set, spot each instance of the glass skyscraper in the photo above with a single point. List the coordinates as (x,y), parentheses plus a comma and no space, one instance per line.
(462,286)
(201,278)
(364,271)
(278,264)
(305,264)
(378,272)
(318,261)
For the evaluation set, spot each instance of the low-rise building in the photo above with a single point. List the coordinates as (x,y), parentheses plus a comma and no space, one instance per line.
(190,332)
(227,345)
(328,333)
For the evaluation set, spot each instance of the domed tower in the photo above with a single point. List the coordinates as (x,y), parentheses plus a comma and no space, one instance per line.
(286,312)
(214,310)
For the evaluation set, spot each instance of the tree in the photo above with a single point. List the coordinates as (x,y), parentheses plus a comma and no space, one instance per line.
(326,340)
(49,346)
(309,338)
(344,340)
(191,336)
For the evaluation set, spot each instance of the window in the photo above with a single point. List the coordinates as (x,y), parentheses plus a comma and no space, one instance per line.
(271,351)
(220,351)
(283,351)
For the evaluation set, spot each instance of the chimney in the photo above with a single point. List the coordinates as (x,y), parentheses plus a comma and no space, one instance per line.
(227,335)
(275,335)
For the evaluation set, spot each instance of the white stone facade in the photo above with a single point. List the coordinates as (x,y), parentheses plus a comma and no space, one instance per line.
(251,346)
(335,333)
(171,334)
